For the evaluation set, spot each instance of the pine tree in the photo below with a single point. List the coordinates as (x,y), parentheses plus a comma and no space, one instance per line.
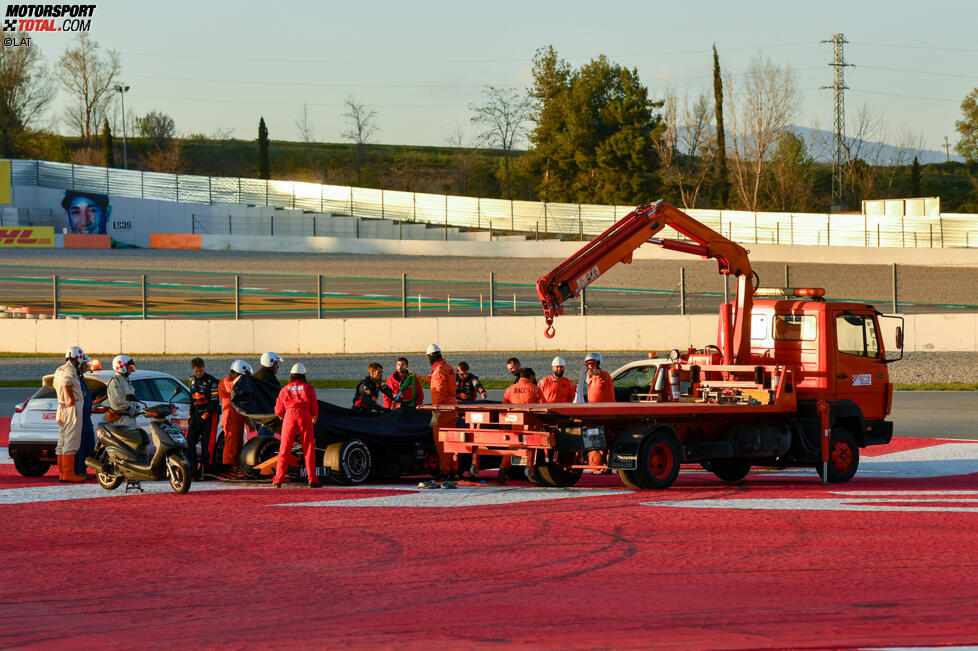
(915,177)
(723,185)
(107,149)
(263,169)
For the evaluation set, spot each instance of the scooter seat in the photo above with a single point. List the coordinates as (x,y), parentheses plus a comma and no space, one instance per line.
(132,436)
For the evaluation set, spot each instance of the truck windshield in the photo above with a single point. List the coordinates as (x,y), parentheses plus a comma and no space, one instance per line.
(856,335)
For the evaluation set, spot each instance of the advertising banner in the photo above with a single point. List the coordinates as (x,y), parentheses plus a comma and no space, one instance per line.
(4,182)
(26,236)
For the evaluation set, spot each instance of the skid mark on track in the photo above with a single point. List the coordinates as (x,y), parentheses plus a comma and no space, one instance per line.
(463,497)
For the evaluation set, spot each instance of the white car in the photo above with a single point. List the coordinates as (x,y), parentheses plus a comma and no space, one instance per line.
(639,378)
(34,431)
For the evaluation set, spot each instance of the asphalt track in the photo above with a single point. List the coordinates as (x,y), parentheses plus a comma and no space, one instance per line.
(779,560)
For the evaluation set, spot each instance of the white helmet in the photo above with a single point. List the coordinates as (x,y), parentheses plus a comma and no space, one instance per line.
(75,353)
(592,357)
(268,359)
(120,363)
(558,361)
(240,366)
(298,369)
(432,348)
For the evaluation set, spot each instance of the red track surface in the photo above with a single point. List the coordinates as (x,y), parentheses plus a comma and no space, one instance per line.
(228,568)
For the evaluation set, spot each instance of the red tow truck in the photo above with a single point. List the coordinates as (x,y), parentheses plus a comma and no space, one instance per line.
(793,380)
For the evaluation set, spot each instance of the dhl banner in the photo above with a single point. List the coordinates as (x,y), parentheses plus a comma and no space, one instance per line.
(26,236)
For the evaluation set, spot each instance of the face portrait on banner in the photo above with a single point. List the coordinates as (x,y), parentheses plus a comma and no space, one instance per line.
(87,213)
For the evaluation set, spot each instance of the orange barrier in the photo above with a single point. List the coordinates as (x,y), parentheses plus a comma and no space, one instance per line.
(174,241)
(86,241)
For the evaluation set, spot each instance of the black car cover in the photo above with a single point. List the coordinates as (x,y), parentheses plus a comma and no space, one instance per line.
(255,399)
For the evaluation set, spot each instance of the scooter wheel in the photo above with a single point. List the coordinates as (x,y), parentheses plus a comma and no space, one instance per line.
(108,482)
(178,472)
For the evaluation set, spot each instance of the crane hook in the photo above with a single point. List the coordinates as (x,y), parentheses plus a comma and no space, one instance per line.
(550,331)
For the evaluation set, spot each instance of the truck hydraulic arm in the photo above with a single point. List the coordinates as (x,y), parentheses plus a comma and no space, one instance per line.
(618,243)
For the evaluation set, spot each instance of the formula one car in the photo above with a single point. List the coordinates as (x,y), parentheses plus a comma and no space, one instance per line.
(352,445)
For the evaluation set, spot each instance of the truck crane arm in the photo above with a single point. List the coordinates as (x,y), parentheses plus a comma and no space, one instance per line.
(641,225)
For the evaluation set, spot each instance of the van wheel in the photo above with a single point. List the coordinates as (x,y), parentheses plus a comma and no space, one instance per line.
(843,457)
(31,467)
(349,462)
(729,469)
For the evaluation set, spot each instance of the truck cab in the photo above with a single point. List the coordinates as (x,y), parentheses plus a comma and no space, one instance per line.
(837,353)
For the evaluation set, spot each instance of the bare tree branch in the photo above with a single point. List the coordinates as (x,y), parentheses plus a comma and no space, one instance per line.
(25,91)
(504,114)
(304,127)
(88,77)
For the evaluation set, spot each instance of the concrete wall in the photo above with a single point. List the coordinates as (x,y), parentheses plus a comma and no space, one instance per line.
(562,250)
(923,333)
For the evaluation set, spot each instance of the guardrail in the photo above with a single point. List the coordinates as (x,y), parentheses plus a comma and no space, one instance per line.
(113,294)
(545,219)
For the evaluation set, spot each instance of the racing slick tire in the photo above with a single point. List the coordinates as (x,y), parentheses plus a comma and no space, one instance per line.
(349,461)
(30,467)
(554,476)
(732,469)
(259,450)
(843,457)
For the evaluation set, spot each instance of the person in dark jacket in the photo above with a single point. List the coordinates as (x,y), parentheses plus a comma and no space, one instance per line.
(204,409)
(269,368)
(370,389)
(87,447)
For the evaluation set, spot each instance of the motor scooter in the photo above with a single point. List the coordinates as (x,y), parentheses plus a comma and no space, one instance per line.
(122,453)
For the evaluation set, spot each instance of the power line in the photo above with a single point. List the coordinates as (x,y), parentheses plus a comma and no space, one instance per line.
(904,46)
(195,57)
(274,103)
(921,72)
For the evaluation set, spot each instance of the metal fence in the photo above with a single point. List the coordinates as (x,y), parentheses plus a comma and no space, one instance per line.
(580,221)
(115,294)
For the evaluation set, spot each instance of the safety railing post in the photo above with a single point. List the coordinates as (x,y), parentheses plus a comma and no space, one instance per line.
(492,294)
(404,312)
(319,296)
(895,304)
(584,302)
(143,283)
(237,297)
(54,297)
(787,276)
(682,291)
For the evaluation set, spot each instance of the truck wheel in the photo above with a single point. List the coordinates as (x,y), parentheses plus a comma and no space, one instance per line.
(843,456)
(729,469)
(349,461)
(552,475)
(659,458)
(31,467)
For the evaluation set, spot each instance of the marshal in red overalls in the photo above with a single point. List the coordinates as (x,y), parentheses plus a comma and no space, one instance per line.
(298,408)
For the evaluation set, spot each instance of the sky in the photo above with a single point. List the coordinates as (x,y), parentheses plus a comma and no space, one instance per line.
(420,65)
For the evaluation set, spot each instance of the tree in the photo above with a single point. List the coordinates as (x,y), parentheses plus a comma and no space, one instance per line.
(361,127)
(88,77)
(594,136)
(503,114)
(685,147)
(158,128)
(303,126)
(263,169)
(765,102)
(25,91)
(791,171)
(107,144)
(968,128)
(461,157)
(915,177)
(722,181)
